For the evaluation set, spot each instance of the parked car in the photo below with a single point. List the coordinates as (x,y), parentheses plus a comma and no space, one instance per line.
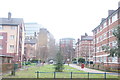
(87,62)
(74,62)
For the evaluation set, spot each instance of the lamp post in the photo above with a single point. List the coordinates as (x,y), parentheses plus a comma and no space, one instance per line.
(77,58)
(78,51)
(89,54)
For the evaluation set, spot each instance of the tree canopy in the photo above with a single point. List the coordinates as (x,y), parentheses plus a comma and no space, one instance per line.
(114,51)
(59,66)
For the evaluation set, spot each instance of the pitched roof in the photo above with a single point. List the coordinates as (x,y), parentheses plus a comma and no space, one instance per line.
(86,38)
(11,21)
(1,55)
(30,41)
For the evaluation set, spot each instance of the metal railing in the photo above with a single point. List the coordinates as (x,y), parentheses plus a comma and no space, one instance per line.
(88,74)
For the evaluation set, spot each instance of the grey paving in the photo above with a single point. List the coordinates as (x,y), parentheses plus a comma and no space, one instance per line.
(92,70)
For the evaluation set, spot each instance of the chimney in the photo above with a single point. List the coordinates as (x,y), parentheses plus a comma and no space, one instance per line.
(78,40)
(102,19)
(9,16)
(118,4)
(110,12)
(35,34)
(86,34)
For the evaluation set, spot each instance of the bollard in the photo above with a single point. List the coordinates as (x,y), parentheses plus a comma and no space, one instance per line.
(71,75)
(105,75)
(88,75)
(37,74)
(54,74)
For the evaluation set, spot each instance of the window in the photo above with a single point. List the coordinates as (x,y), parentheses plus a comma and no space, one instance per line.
(13,27)
(97,40)
(11,46)
(105,25)
(114,43)
(114,59)
(105,58)
(1,47)
(110,44)
(101,28)
(101,60)
(1,37)
(100,38)
(105,35)
(109,22)
(12,36)
(1,27)
(114,18)
(97,49)
(97,30)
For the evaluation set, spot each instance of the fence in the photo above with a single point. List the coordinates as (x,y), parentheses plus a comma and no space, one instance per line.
(72,75)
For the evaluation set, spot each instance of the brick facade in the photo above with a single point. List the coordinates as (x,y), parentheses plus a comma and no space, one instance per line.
(103,36)
(3,42)
(84,48)
(12,39)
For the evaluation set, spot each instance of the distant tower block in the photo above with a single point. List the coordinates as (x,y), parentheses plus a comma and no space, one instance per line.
(118,4)
(9,16)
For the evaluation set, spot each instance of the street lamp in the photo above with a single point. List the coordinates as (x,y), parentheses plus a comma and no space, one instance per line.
(78,51)
(89,54)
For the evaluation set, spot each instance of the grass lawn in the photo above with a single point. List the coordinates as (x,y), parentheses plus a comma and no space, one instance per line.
(30,73)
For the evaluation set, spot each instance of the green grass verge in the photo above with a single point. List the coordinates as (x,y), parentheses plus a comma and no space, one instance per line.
(30,73)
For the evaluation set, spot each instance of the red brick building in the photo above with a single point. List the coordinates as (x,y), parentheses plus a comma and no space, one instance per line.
(45,47)
(67,48)
(103,36)
(84,47)
(11,39)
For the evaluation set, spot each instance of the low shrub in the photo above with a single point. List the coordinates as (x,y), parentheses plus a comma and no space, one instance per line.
(7,67)
(35,61)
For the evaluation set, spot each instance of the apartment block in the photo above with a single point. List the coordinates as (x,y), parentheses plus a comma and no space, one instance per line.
(31,29)
(84,48)
(31,32)
(29,48)
(103,36)
(67,48)
(11,39)
(45,47)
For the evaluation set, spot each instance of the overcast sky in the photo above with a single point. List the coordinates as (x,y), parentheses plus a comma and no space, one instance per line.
(63,18)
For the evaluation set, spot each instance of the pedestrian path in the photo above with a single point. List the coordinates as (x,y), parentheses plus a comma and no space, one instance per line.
(91,70)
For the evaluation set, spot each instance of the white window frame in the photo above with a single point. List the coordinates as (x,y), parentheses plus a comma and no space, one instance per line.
(11,46)
(105,24)
(1,37)
(1,47)
(114,59)
(1,27)
(13,27)
(12,37)
(114,18)
(105,59)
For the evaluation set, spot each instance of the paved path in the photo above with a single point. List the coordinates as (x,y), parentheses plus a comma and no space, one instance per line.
(91,70)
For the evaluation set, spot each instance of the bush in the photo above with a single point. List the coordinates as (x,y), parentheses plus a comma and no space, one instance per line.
(81,60)
(35,61)
(74,59)
(27,63)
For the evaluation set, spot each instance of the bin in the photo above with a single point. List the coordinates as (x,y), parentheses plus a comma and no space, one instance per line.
(15,66)
(82,65)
